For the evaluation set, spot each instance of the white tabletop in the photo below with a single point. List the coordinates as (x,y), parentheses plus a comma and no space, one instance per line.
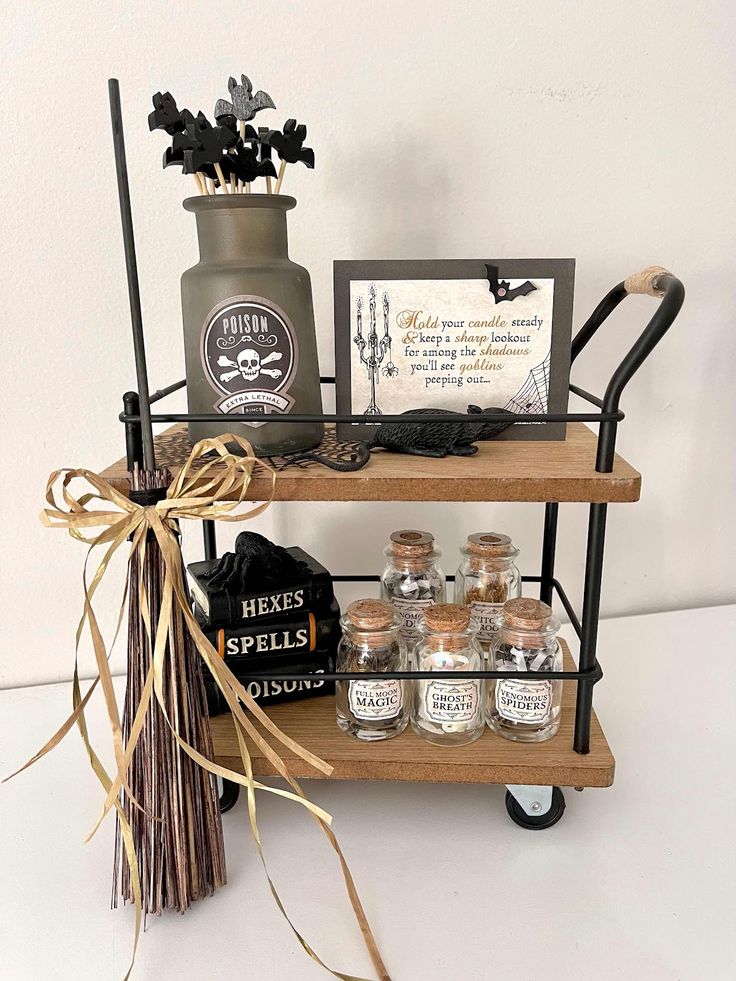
(635,882)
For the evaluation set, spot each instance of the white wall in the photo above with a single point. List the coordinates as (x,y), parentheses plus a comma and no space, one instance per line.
(602,131)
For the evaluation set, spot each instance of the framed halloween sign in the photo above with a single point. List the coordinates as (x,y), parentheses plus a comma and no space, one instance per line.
(445,334)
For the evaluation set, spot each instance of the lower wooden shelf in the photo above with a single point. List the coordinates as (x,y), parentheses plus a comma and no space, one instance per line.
(491,759)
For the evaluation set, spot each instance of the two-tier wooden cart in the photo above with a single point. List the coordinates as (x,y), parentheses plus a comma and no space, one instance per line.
(583,468)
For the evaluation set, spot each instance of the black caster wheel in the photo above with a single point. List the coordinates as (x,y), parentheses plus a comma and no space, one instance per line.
(229,793)
(536,822)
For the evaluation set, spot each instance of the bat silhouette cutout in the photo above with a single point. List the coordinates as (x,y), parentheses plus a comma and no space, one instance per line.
(166,114)
(244,104)
(229,121)
(501,289)
(244,163)
(265,149)
(200,144)
(290,144)
(183,143)
(174,155)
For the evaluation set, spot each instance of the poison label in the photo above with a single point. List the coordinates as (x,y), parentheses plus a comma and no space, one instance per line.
(249,355)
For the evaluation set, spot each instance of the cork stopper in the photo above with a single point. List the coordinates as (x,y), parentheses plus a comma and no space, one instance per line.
(412,543)
(447,617)
(370,614)
(489,543)
(526,614)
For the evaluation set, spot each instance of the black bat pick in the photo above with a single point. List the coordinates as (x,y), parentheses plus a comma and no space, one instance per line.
(289,144)
(501,289)
(166,115)
(244,163)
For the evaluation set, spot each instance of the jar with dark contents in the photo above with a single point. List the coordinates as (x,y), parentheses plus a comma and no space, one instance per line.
(486,579)
(412,579)
(448,712)
(371,710)
(521,710)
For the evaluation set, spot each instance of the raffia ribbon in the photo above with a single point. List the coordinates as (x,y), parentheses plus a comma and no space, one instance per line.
(207,490)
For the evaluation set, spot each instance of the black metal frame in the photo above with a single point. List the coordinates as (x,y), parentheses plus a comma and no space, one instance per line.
(608,417)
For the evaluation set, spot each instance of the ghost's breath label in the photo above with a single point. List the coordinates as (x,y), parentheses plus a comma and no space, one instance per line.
(374,700)
(449,702)
(249,353)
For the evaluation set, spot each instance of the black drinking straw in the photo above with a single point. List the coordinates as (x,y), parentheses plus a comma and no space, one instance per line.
(173,810)
(139,346)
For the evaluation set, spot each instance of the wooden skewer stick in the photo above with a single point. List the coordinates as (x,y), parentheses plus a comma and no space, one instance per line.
(269,188)
(247,188)
(241,127)
(282,168)
(198,181)
(210,185)
(233,184)
(221,176)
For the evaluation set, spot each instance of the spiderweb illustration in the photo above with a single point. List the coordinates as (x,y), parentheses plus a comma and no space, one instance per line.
(533,395)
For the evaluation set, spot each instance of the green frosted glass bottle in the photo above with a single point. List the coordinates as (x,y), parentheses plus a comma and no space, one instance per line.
(249,337)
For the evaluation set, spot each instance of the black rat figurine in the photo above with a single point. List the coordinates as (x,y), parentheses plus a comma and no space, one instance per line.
(438,438)
(433,439)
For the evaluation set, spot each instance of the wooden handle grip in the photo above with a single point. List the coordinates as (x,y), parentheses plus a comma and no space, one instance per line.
(646,281)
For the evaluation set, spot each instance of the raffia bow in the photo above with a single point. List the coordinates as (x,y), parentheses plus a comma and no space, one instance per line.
(204,489)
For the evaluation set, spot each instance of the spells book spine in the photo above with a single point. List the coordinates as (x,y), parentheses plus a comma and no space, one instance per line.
(301,634)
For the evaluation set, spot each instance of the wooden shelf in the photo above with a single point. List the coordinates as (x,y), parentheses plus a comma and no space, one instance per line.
(504,470)
(491,759)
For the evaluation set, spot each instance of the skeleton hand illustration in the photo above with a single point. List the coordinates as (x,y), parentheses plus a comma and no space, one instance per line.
(250,365)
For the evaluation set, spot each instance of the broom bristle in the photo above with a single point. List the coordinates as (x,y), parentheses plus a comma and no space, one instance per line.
(181,855)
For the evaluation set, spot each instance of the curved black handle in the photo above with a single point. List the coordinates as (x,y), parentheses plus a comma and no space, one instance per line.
(654,281)
(672,294)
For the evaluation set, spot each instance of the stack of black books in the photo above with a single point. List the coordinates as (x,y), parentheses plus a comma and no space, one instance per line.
(268,609)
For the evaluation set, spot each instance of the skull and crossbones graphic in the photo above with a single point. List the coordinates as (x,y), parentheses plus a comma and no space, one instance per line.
(250,365)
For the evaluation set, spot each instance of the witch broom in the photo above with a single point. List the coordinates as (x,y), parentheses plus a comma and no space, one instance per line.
(172,808)
(169,848)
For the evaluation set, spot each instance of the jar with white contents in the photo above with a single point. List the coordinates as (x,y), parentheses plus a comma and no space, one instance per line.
(412,580)
(517,709)
(486,579)
(448,712)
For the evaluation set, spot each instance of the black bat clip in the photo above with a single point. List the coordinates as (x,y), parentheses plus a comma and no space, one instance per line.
(500,288)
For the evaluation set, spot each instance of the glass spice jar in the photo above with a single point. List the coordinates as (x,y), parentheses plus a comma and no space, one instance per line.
(448,713)
(526,711)
(412,579)
(371,710)
(486,579)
